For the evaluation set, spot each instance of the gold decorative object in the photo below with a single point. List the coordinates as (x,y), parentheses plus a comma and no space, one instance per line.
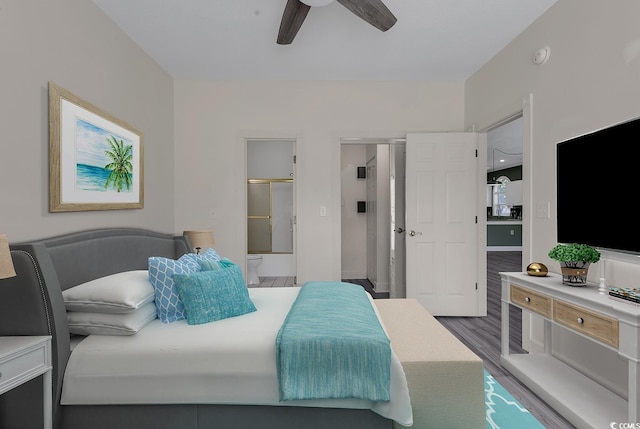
(537,269)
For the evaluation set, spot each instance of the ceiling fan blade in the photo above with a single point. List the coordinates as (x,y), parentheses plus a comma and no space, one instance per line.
(372,11)
(294,14)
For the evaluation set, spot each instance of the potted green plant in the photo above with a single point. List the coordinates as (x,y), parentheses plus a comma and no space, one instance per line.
(574,262)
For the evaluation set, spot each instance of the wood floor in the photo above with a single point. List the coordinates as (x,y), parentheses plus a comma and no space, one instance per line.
(482,335)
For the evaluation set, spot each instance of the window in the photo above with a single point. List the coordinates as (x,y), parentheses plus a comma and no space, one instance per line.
(499,200)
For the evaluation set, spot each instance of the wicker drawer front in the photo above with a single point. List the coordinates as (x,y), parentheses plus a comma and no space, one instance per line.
(530,300)
(597,326)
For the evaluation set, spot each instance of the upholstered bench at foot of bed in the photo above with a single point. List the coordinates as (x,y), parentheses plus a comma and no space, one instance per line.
(445,378)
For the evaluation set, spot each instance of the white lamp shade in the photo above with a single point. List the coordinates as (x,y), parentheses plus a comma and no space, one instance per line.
(200,239)
(6,263)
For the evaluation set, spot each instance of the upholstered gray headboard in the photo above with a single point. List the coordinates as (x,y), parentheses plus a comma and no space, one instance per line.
(31,303)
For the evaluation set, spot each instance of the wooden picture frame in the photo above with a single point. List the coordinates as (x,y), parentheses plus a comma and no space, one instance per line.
(95,159)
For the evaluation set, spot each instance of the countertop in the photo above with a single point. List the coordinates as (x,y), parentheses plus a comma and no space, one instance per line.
(506,221)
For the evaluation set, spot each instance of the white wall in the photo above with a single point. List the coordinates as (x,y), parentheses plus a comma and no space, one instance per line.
(212,119)
(591,80)
(73,44)
(270,159)
(586,84)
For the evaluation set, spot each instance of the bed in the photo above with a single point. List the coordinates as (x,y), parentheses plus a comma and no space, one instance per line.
(46,268)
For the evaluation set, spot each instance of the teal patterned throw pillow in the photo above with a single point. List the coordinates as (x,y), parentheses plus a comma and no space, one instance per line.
(214,294)
(161,271)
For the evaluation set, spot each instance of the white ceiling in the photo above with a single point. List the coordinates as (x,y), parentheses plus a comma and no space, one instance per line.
(433,40)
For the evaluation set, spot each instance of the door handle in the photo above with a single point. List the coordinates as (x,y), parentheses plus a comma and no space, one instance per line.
(413,233)
(399,230)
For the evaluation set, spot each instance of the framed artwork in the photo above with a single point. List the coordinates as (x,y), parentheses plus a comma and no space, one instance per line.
(95,160)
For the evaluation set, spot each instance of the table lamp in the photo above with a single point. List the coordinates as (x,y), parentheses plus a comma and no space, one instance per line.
(6,263)
(200,239)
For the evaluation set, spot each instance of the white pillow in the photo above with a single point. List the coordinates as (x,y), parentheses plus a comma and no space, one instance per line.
(117,293)
(82,323)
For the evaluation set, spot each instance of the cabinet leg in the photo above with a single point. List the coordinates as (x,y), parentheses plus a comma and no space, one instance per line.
(47,399)
(634,396)
(505,328)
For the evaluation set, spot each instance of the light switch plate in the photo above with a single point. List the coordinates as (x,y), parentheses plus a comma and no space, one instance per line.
(543,210)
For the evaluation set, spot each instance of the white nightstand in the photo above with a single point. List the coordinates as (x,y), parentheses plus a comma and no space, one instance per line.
(23,359)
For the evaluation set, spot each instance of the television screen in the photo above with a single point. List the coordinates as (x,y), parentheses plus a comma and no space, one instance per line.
(598,178)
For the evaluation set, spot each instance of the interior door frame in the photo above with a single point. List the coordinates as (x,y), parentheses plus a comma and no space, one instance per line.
(390,141)
(521,108)
(524,109)
(294,139)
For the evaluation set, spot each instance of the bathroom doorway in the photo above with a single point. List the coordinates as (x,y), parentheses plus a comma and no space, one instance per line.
(271,220)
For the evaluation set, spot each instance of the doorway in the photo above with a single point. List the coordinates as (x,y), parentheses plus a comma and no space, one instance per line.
(372,214)
(458,180)
(505,208)
(271,219)
(505,213)
(505,185)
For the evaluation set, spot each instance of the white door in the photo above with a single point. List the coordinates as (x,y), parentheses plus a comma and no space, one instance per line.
(442,211)
(372,224)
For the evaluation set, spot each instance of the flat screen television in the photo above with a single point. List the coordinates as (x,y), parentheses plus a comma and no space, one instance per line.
(598,187)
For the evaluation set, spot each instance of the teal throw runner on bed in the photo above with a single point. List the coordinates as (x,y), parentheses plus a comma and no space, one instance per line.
(332,346)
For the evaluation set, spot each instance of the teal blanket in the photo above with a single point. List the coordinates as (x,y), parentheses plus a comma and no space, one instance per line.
(332,346)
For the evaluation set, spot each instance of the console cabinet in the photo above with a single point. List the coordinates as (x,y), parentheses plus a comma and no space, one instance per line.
(23,358)
(609,323)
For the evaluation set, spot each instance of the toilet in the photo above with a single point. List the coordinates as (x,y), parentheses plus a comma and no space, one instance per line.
(252,269)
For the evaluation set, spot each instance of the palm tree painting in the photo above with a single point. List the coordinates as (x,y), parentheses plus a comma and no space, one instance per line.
(95,159)
(104,161)
(120,166)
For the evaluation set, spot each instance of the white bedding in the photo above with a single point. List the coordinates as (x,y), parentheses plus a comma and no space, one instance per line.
(230,361)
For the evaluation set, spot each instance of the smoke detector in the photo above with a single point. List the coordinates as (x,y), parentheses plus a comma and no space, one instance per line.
(542,55)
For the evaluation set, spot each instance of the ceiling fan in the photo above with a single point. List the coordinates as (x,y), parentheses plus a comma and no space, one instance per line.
(372,11)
